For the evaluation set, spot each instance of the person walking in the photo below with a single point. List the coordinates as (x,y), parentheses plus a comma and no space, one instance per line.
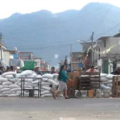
(63,78)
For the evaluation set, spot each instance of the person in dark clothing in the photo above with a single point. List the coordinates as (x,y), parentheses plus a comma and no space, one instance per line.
(53,70)
(37,71)
(63,78)
(116,72)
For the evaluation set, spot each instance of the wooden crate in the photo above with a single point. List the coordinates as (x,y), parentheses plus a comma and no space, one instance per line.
(73,84)
(116,86)
(89,81)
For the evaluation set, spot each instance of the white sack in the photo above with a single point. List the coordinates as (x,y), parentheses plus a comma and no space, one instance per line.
(27,73)
(6,83)
(8,73)
(14,86)
(103,79)
(46,88)
(3,79)
(4,89)
(38,76)
(13,95)
(34,75)
(15,89)
(46,95)
(103,74)
(110,76)
(47,75)
(52,82)
(105,87)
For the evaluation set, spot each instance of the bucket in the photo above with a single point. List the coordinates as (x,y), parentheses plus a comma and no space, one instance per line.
(78,94)
(91,93)
(84,93)
(106,94)
(98,93)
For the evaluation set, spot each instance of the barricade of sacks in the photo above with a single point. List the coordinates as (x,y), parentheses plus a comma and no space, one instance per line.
(10,83)
(106,84)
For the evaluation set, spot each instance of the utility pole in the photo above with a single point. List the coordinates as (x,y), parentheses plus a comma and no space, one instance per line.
(1,44)
(71,56)
(92,37)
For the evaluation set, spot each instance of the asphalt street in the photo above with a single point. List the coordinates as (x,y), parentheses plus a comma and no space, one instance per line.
(50,109)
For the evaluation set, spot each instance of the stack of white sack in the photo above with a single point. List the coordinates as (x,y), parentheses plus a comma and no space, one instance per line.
(10,83)
(106,83)
(48,81)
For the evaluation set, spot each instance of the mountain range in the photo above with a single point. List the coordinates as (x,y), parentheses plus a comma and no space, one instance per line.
(50,36)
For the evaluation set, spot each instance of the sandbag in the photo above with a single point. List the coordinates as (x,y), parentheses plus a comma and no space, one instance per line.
(47,75)
(8,92)
(39,76)
(14,86)
(15,89)
(34,75)
(44,79)
(52,82)
(45,92)
(3,79)
(46,95)
(45,83)
(103,74)
(8,73)
(1,86)
(13,95)
(6,83)
(9,76)
(36,82)
(5,86)
(4,89)
(27,73)
(103,79)
(110,76)
(105,87)
(46,88)
(28,80)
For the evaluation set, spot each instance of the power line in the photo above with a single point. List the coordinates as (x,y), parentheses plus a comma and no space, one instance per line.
(110,29)
(103,18)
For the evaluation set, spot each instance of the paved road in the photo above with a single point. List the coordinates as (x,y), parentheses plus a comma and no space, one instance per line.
(49,109)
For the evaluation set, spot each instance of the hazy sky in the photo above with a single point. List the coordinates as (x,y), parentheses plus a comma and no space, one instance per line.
(8,7)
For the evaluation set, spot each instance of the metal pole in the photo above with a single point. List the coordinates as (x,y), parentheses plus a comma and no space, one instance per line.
(92,48)
(71,57)
(1,44)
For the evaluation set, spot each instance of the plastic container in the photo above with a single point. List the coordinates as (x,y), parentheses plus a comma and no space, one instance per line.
(78,94)
(98,93)
(91,93)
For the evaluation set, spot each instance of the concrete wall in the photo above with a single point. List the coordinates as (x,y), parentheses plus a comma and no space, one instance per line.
(7,56)
(109,50)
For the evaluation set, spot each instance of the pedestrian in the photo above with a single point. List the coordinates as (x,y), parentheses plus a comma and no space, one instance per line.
(117,71)
(37,71)
(63,78)
(92,69)
(53,70)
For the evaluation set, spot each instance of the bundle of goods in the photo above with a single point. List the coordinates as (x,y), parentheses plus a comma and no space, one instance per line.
(106,84)
(10,83)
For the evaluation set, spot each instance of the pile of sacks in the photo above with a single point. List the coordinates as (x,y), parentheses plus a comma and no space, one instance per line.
(10,83)
(106,83)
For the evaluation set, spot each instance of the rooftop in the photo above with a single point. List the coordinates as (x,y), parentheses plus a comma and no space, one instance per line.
(104,37)
(117,35)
